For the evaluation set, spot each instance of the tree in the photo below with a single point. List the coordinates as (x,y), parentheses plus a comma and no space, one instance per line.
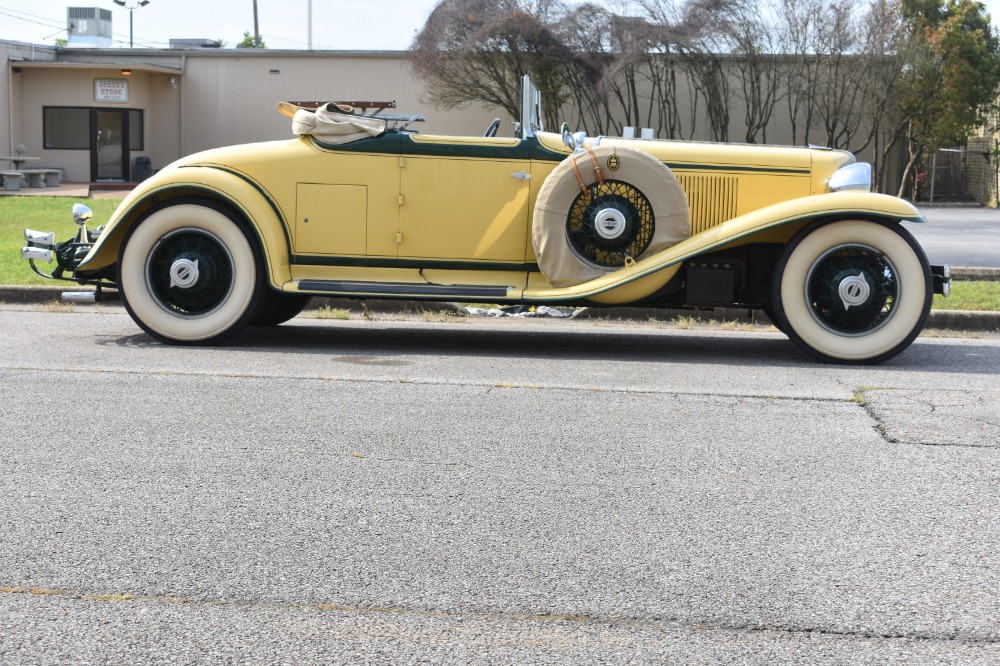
(248,42)
(747,29)
(952,80)
(798,22)
(694,33)
(886,51)
(478,51)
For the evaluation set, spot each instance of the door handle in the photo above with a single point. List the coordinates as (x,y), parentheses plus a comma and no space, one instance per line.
(521,175)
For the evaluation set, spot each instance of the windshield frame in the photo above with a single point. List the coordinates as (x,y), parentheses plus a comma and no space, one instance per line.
(531,108)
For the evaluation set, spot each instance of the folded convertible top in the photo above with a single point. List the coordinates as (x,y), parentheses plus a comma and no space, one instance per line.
(331,122)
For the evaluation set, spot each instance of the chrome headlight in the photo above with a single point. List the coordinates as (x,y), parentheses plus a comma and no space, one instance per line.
(37,253)
(40,238)
(856,176)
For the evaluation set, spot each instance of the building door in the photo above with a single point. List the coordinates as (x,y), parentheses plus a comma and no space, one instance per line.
(109,147)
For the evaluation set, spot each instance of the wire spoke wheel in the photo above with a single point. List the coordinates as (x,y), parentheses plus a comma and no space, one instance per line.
(190,272)
(584,233)
(610,223)
(852,289)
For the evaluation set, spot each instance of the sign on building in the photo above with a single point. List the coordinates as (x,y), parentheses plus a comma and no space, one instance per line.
(110,90)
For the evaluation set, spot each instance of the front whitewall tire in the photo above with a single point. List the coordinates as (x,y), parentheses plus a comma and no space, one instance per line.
(891,327)
(158,288)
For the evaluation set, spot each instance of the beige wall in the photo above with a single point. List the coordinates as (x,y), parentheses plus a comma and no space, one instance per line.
(232,98)
(11,88)
(221,97)
(75,87)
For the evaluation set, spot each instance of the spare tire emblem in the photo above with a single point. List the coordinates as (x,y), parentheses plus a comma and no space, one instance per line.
(613,162)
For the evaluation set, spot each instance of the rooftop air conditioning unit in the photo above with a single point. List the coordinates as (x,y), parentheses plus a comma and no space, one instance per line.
(88,27)
(195,44)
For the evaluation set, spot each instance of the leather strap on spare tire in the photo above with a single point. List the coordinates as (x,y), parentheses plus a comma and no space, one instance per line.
(603,208)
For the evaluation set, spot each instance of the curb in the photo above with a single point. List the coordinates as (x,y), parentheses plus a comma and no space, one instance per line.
(981,274)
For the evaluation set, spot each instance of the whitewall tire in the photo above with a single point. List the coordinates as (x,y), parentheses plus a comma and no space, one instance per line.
(852,291)
(191,273)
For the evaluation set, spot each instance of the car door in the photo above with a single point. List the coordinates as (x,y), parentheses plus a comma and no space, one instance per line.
(347,206)
(463,199)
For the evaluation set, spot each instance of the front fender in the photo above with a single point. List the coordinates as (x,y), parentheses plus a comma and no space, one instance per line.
(632,283)
(226,187)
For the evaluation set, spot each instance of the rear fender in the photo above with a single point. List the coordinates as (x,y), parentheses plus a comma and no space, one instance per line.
(776,223)
(231,190)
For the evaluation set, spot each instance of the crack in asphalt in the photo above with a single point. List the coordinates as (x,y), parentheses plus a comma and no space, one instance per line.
(858,398)
(883,430)
(564,618)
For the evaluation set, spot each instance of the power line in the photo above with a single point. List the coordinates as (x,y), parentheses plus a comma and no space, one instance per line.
(61,27)
(7,12)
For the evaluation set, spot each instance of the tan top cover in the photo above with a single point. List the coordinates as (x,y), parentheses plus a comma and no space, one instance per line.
(332,123)
(559,263)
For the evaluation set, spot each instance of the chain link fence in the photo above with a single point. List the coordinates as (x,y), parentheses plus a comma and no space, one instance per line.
(967,174)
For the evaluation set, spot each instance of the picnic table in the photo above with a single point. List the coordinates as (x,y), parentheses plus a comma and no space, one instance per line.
(19,160)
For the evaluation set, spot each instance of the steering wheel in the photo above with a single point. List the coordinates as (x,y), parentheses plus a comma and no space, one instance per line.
(492,129)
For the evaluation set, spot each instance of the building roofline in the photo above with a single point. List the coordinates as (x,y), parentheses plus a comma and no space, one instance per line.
(127,53)
(56,64)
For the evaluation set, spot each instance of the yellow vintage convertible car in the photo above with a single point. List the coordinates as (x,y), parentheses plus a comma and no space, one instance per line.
(360,205)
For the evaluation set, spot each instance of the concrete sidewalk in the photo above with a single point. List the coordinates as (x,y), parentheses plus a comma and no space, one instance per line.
(82,191)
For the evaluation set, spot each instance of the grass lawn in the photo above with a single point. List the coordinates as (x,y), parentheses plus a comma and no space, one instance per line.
(53,214)
(968,295)
(40,214)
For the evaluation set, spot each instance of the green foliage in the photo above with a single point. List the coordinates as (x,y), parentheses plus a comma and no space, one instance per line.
(956,72)
(40,214)
(952,78)
(970,295)
(247,42)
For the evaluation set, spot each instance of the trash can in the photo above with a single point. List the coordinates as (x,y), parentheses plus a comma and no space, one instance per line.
(143,169)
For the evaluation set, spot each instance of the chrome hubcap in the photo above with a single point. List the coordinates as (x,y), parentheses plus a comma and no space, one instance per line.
(184,273)
(854,290)
(610,223)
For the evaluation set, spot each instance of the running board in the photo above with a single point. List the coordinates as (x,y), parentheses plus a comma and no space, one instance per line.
(344,287)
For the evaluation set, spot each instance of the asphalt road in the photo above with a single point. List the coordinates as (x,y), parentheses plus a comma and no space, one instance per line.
(968,237)
(501,491)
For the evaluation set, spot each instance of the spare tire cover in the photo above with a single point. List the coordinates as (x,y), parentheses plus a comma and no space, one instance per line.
(640,209)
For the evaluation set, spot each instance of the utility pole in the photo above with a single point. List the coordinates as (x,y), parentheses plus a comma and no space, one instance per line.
(310,22)
(256,27)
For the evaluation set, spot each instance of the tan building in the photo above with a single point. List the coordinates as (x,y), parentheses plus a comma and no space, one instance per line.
(93,112)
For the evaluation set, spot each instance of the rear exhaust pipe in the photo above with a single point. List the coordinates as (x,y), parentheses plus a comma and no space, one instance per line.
(80,296)
(89,297)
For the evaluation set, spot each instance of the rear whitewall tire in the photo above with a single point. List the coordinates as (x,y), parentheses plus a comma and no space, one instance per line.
(278,307)
(153,261)
(892,329)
